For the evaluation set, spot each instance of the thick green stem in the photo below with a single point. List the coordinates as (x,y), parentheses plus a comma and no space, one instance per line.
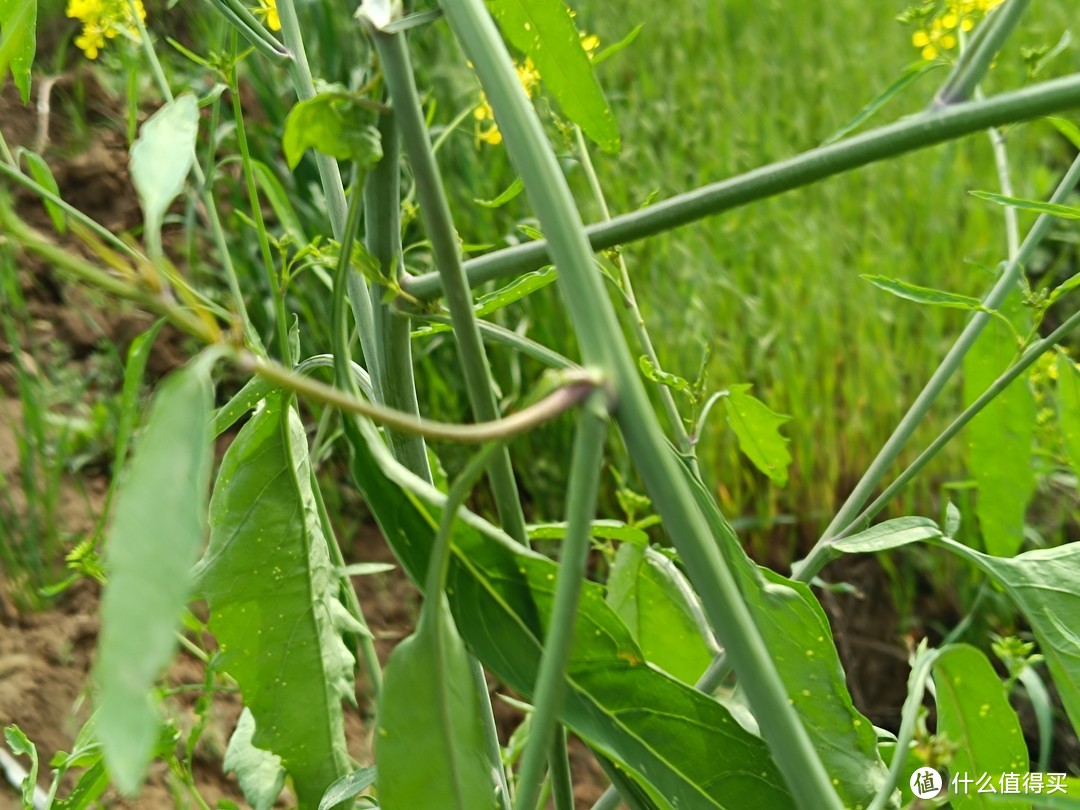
(581,487)
(637,320)
(602,344)
(382,221)
(808,568)
(330,176)
(975,61)
(435,211)
(909,134)
(1027,359)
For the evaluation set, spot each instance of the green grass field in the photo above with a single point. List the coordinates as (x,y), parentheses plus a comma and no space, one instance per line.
(713,89)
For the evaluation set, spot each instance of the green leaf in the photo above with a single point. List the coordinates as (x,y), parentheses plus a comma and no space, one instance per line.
(661,377)
(336,123)
(18,42)
(259,772)
(156,534)
(503,297)
(797,633)
(600,529)
(347,787)
(161,158)
(888,535)
(41,172)
(512,191)
(758,431)
(430,743)
(1045,585)
(924,295)
(21,746)
(1000,437)
(545,32)
(974,713)
(278,198)
(662,612)
(273,598)
(608,52)
(1068,408)
(1035,206)
(501,593)
(1066,128)
(909,75)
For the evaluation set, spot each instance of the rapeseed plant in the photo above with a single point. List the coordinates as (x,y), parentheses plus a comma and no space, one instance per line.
(103,20)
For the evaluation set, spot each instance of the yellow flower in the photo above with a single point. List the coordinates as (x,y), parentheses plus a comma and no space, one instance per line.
(267,9)
(487,130)
(103,20)
(941,28)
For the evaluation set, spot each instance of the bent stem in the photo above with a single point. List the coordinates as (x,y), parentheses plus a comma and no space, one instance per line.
(916,132)
(582,485)
(808,568)
(435,211)
(603,346)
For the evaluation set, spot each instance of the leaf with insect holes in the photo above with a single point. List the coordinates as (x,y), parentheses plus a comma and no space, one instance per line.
(924,295)
(758,430)
(796,631)
(18,42)
(1068,408)
(430,744)
(336,123)
(662,611)
(163,155)
(974,713)
(545,32)
(1034,206)
(501,596)
(149,571)
(273,597)
(1000,437)
(260,773)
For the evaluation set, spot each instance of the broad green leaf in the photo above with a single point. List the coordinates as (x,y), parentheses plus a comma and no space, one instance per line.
(1045,585)
(501,595)
(601,529)
(157,531)
(758,431)
(273,598)
(335,123)
(924,295)
(1035,206)
(18,42)
(41,172)
(259,772)
(545,32)
(512,191)
(657,375)
(974,712)
(1000,437)
(161,158)
(348,787)
(503,297)
(429,743)
(797,633)
(1068,408)
(662,612)
(888,535)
